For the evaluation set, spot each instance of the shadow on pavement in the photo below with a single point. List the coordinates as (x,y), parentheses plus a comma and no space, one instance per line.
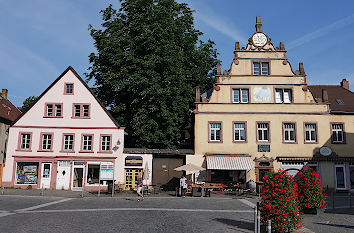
(336,225)
(347,211)
(236,223)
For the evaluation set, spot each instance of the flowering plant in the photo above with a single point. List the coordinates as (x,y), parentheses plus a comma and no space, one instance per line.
(310,189)
(279,202)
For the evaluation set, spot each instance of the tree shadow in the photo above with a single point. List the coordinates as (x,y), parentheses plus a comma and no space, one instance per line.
(348,211)
(335,225)
(236,223)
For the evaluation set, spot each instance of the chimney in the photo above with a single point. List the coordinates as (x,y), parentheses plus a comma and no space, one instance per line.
(344,84)
(301,68)
(281,46)
(258,24)
(197,94)
(4,93)
(218,69)
(237,46)
(324,96)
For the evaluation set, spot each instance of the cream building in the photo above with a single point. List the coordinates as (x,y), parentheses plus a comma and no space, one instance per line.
(262,115)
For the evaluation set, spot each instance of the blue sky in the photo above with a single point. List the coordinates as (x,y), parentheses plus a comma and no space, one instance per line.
(39,39)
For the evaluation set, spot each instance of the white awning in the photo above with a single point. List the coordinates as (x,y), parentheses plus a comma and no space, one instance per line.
(229,163)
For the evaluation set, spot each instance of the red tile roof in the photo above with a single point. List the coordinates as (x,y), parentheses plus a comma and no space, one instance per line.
(7,110)
(335,93)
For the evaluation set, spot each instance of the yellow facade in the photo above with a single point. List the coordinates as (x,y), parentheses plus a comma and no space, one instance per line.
(261,106)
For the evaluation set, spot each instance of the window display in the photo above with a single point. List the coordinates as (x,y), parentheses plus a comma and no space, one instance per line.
(27,173)
(93,172)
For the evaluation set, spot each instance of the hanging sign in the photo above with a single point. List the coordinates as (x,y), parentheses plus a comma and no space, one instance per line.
(134,161)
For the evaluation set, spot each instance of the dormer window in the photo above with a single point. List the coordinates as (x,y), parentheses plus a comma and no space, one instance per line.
(260,68)
(69,89)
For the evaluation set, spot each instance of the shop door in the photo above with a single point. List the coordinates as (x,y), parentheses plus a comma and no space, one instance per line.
(46,175)
(131,178)
(63,174)
(78,176)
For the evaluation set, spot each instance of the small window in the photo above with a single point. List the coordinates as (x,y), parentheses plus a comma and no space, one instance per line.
(47,141)
(339,101)
(54,110)
(87,142)
(49,110)
(260,68)
(25,141)
(69,88)
(340,176)
(263,132)
(239,132)
(215,132)
(310,132)
(337,133)
(289,132)
(283,95)
(58,110)
(105,143)
(68,142)
(240,95)
(85,110)
(77,110)
(81,111)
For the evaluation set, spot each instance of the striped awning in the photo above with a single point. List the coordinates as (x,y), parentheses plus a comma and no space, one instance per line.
(229,163)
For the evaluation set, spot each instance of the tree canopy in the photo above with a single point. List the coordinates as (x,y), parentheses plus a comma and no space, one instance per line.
(27,103)
(148,62)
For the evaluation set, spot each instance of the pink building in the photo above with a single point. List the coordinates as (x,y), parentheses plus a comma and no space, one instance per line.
(64,140)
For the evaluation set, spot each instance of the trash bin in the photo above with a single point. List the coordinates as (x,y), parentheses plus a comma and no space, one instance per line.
(196,192)
(110,185)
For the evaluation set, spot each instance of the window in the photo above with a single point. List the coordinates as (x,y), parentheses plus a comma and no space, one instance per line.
(53,110)
(283,95)
(239,132)
(351,170)
(289,132)
(215,132)
(260,68)
(46,141)
(93,173)
(240,95)
(26,172)
(68,144)
(337,133)
(340,176)
(310,132)
(87,142)
(263,132)
(69,89)
(106,143)
(25,141)
(81,111)
(313,166)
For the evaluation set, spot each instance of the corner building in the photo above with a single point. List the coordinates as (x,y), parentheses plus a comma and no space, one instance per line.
(261,116)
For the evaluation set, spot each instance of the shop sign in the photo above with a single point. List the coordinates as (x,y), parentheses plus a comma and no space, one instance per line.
(134,161)
(106,171)
(263,148)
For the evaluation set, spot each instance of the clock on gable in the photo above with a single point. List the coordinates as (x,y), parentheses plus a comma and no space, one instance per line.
(259,39)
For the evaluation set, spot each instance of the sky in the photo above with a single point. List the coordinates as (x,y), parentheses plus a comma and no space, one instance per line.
(39,39)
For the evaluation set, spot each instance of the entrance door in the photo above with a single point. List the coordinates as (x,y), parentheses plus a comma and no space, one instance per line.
(63,174)
(131,178)
(46,175)
(78,175)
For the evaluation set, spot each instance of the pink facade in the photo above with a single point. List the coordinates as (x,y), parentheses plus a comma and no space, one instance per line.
(57,156)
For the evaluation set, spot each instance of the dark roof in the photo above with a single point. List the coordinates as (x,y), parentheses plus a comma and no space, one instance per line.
(83,82)
(8,112)
(335,94)
(157,151)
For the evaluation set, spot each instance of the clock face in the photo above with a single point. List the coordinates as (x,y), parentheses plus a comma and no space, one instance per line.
(259,39)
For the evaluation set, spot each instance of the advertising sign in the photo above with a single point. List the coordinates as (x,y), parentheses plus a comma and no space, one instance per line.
(106,171)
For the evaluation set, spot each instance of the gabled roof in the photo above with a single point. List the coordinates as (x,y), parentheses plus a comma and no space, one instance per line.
(83,82)
(8,111)
(340,99)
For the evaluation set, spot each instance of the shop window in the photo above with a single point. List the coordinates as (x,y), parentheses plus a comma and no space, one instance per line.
(215,132)
(337,133)
(263,132)
(93,173)
(69,89)
(351,177)
(27,172)
(340,176)
(240,95)
(289,132)
(310,132)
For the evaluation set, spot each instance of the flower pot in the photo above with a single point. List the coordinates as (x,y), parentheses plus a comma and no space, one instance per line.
(313,210)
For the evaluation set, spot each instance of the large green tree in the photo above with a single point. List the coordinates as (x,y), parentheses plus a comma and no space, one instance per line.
(27,103)
(149,61)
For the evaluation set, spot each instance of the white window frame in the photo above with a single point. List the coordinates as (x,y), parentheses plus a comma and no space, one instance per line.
(337,131)
(262,129)
(241,92)
(287,131)
(86,143)
(281,97)
(240,129)
(261,68)
(67,142)
(309,129)
(47,141)
(105,144)
(25,141)
(213,131)
(345,178)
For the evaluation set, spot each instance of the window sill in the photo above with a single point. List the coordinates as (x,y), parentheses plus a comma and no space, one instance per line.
(284,142)
(86,151)
(338,143)
(24,150)
(263,141)
(68,93)
(80,117)
(44,150)
(105,152)
(239,141)
(310,142)
(214,141)
(53,117)
(67,151)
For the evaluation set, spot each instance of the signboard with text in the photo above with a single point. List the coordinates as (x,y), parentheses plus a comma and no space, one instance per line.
(263,148)
(106,171)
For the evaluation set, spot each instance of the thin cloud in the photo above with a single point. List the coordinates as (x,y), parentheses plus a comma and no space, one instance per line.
(322,31)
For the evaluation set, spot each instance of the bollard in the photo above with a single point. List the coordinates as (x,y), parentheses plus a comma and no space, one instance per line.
(2,190)
(258,219)
(255,219)
(269,227)
(42,192)
(82,192)
(332,199)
